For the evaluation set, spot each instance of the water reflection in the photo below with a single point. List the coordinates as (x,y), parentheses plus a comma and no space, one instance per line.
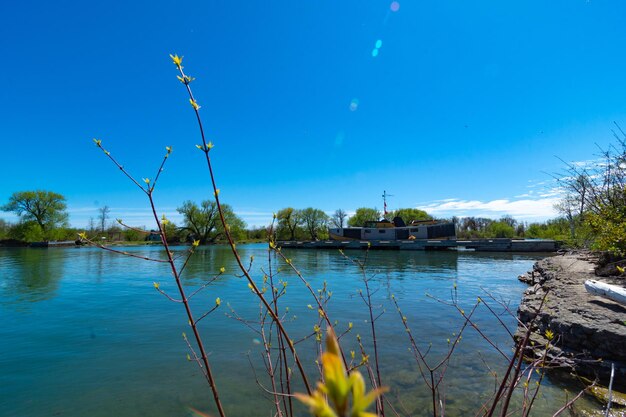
(29,274)
(323,261)
(206,263)
(101,313)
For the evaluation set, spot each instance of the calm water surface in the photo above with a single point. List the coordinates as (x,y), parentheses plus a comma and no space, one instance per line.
(85,333)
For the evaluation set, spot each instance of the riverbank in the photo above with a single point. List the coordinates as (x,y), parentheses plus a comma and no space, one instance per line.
(589,330)
(12,243)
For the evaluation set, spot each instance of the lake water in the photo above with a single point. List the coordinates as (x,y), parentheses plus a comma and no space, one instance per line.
(84,333)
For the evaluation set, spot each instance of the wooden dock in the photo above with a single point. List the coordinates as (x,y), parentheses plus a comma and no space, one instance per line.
(478,245)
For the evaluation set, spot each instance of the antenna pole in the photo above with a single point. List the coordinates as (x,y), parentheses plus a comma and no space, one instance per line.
(385,195)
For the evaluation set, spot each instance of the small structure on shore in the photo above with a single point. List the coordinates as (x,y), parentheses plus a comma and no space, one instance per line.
(395,230)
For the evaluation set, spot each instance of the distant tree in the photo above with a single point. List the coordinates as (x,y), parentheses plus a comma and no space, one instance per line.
(579,189)
(572,205)
(483,223)
(338,218)
(45,208)
(315,221)
(362,215)
(133,235)
(200,221)
(4,229)
(500,229)
(289,219)
(473,227)
(172,232)
(203,222)
(256,233)
(103,215)
(27,231)
(509,220)
(557,229)
(410,214)
(520,229)
(595,199)
(63,233)
(609,225)
(91,226)
(469,224)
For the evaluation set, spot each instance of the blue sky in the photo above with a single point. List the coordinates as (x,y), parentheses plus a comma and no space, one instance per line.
(463,109)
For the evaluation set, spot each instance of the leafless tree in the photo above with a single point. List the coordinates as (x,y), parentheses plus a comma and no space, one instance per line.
(339,218)
(592,185)
(103,215)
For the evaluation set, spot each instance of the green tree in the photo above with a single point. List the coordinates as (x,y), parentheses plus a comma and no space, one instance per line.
(45,208)
(203,222)
(315,221)
(473,227)
(27,231)
(4,229)
(362,215)
(63,233)
(289,220)
(500,229)
(595,199)
(132,235)
(256,233)
(410,214)
(172,232)
(508,220)
(609,226)
(557,229)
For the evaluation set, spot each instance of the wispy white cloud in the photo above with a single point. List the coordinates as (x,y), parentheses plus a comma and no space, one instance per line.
(590,163)
(520,208)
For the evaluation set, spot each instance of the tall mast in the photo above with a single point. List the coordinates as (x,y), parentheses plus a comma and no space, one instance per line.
(385,195)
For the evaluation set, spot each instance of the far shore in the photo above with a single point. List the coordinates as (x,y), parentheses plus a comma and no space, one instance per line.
(12,243)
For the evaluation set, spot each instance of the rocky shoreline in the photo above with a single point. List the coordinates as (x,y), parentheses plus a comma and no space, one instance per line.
(589,330)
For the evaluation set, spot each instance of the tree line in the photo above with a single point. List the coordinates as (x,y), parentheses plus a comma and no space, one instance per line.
(593,214)
(43,216)
(313,224)
(508,227)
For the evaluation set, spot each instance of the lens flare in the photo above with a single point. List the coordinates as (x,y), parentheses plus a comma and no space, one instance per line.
(395,6)
(354,104)
(375,52)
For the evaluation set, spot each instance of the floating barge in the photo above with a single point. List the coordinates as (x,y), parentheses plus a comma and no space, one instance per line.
(478,245)
(53,244)
(417,235)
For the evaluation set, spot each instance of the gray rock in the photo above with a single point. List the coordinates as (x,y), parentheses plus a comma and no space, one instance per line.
(589,330)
